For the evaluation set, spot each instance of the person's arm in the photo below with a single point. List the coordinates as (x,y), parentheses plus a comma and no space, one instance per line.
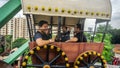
(74,39)
(38,39)
(41,42)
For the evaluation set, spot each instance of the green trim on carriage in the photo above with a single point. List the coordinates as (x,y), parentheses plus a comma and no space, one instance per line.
(12,57)
(11,8)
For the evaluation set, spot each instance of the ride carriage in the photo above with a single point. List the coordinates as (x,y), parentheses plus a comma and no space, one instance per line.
(67,12)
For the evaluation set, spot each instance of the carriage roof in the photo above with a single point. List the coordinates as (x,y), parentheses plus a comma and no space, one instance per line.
(71,9)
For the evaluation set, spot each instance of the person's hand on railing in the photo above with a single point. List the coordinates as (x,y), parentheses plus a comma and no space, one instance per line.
(52,40)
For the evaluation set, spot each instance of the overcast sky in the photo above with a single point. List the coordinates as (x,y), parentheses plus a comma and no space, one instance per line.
(115,21)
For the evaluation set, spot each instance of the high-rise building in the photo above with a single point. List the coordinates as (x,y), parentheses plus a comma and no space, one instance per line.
(20,28)
(3,30)
(16,27)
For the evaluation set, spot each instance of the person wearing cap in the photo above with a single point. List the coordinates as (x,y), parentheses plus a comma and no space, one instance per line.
(78,35)
(42,37)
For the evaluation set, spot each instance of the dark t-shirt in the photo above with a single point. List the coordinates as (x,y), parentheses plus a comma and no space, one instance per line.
(41,35)
(81,37)
(65,36)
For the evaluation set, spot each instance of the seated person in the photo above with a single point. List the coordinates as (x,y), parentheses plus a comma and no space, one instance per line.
(42,35)
(65,35)
(78,36)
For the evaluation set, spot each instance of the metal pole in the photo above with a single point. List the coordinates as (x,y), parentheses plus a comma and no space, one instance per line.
(31,26)
(82,27)
(82,21)
(28,16)
(64,19)
(104,33)
(51,23)
(34,25)
(59,30)
(94,31)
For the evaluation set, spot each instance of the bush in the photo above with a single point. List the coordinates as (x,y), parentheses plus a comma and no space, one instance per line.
(18,42)
(107,51)
(115,39)
(1,50)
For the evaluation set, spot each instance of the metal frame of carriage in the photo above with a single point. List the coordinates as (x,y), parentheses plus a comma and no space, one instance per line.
(65,12)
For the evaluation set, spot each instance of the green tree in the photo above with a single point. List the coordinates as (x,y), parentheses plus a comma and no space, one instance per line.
(101,28)
(107,51)
(108,47)
(2,43)
(6,44)
(115,39)
(18,42)
(8,41)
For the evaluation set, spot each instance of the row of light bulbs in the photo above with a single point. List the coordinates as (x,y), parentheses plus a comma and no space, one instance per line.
(36,8)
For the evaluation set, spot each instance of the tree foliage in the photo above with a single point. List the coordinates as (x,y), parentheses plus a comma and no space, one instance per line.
(2,43)
(107,51)
(114,32)
(101,28)
(18,42)
(8,41)
(8,38)
(115,39)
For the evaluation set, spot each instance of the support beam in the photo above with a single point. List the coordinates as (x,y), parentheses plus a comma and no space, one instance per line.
(94,31)
(10,9)
(105,31)
(12,57)
(59,28)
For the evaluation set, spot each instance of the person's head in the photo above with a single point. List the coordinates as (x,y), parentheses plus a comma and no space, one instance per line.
(43,26)
(64,28)
(77,28)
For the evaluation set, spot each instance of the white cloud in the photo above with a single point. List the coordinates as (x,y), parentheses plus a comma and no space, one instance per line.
(20,14)
(115,20)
